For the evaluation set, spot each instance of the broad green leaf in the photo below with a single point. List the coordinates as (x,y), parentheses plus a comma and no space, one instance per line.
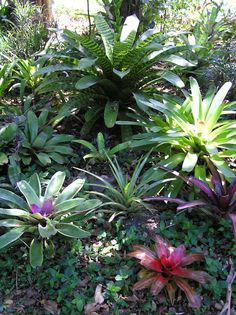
(87,144)
(111,113)
(87,81)
(11,197)
(173,160)
(71,230)
(206,103)
(42,119)
(101,143)
(70,191)
(40,140)
(85,63)
(34,182)
(119,147)
(14,212)
(14,171)
(106,34)
(43,158)
(8,132)
(189,162)
(227,153)
(69,204)
(49,248)
(32,122)
(54,185)
(29,193)
(222,166)
(64,150)
(3,158)
(180,61)
(197,101)
(11,223)
(56,139)
(58,158)
(55,68)
(173,79)
(36,253)
(200,172)
(216,106)
(11,236)
(81,206)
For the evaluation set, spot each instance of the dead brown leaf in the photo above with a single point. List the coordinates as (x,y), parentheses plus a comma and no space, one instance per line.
(50,306)
(98,297)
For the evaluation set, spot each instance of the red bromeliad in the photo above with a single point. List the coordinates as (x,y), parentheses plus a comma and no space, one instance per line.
(166,269)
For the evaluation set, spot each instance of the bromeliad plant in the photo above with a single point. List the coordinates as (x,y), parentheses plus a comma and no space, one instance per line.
(218,197)
(7,134)
(125,196)
(42,216)
(110,66)
(39,142)
(196,127)
(101,153)
(165,268)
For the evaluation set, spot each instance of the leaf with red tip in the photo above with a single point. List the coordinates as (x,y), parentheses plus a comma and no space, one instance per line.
(204,188)
(193,298)
(190,258)
(199,276)
(233,219)
(147,258)
(158,284)
(144,283)
(161,247)
(177,255)
(192,204)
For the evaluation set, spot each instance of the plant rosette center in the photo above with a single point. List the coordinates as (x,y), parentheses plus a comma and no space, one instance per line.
(45,209)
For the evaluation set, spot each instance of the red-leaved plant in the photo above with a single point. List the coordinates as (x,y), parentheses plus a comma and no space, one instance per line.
(165,268)
(218,197)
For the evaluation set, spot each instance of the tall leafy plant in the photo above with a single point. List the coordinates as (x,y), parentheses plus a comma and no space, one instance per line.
(112,66)
(196,127)
(125,195)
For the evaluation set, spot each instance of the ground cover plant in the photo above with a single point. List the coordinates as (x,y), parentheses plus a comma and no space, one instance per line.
(98,221)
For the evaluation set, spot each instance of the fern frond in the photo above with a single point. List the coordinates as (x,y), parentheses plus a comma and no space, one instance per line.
(144,41)
(96,50)
(120,50)
(106,34)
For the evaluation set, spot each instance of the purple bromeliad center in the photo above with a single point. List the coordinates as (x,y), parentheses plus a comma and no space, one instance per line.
(45,210)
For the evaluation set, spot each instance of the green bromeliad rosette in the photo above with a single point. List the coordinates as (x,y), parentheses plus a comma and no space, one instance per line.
(41,217)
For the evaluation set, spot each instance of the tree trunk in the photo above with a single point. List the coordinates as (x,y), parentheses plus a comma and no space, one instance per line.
(46,8)
(130,7)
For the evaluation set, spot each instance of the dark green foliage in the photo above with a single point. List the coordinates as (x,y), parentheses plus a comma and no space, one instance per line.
(51,95)
(112,66)
(25,35)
